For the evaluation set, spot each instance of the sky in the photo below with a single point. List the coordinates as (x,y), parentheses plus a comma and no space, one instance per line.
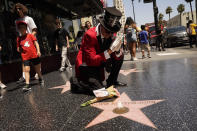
(144,12)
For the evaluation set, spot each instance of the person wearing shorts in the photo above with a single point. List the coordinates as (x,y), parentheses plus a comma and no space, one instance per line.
(21,11)
(143,35)
(29,48)
(131,38)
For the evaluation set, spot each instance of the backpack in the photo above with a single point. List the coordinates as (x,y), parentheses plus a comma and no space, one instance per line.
(129,33)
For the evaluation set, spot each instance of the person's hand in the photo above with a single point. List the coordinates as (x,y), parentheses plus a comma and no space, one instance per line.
(68,45)
(56,48)
(125,42)
(0,48)
(115,46)
(38,53)
(109,51)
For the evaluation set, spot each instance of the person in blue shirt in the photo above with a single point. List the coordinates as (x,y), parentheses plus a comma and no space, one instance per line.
(143,36)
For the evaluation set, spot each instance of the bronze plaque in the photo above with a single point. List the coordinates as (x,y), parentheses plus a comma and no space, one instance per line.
(121,110)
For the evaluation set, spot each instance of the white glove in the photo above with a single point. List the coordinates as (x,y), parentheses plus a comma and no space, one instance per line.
(116,44)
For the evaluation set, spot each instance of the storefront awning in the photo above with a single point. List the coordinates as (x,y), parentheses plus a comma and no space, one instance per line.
(79,8)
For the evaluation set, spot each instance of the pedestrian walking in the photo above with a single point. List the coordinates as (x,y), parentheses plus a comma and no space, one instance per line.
(192,33)
(29,48)
(131,38)
(159,41)
(3,86)
(143,36)
(78,39)
(21,13)
(62,44)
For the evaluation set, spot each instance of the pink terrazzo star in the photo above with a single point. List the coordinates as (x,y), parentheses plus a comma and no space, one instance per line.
(134,114)
(126,72)
(64,88)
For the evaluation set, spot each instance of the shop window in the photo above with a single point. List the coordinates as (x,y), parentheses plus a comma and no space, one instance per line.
(45,21)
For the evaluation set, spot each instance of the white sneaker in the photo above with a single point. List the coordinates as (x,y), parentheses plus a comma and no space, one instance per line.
(135,58)
(36,76)
(2,86)
(61,69)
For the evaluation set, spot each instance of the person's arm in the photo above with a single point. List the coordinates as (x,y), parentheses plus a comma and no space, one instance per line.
(34,31)
(36,45)
(18,45)
(90,56)
(56,45)
(37,48)
(32,26)
(68,45)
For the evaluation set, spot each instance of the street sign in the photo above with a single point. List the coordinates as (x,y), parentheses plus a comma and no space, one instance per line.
(148,1)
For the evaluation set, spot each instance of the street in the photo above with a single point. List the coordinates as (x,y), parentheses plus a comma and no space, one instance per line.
(161,94)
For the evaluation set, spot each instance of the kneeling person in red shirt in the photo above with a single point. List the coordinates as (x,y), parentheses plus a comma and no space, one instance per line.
(29,48)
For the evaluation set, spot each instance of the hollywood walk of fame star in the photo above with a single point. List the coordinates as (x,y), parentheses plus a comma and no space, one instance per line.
(126,72)
(134,114)
(64,88)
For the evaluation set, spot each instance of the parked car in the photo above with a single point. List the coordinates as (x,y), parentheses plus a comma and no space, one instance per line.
(175,36)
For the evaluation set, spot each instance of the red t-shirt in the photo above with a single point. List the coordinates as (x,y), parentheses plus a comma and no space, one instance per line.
(28,48)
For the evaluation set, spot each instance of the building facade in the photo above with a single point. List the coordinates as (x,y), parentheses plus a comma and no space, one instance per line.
(120,6)
(176,21)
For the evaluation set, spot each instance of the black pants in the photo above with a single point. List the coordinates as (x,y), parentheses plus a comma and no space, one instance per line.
(115,69)
(92,77)
(159,42)
(192,40)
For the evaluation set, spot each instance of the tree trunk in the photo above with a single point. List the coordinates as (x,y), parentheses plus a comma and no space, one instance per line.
(192,11)
(133,10)
(180,19)
(196,11)
(169,17)
(155,10)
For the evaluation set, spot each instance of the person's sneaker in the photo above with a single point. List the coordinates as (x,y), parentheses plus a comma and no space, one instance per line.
(143,57)
(26,87)
(3,86)
(135,58)
(21,80)
(36,76)
(62,69)
(41,82)
(70,67)
(149,56)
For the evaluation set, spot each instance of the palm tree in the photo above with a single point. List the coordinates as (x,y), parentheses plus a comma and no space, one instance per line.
(161,18)
(181,9)
(190,2)
(168,11)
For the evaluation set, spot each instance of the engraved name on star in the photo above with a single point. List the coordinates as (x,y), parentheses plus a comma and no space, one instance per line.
(135,113)
(64,88)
